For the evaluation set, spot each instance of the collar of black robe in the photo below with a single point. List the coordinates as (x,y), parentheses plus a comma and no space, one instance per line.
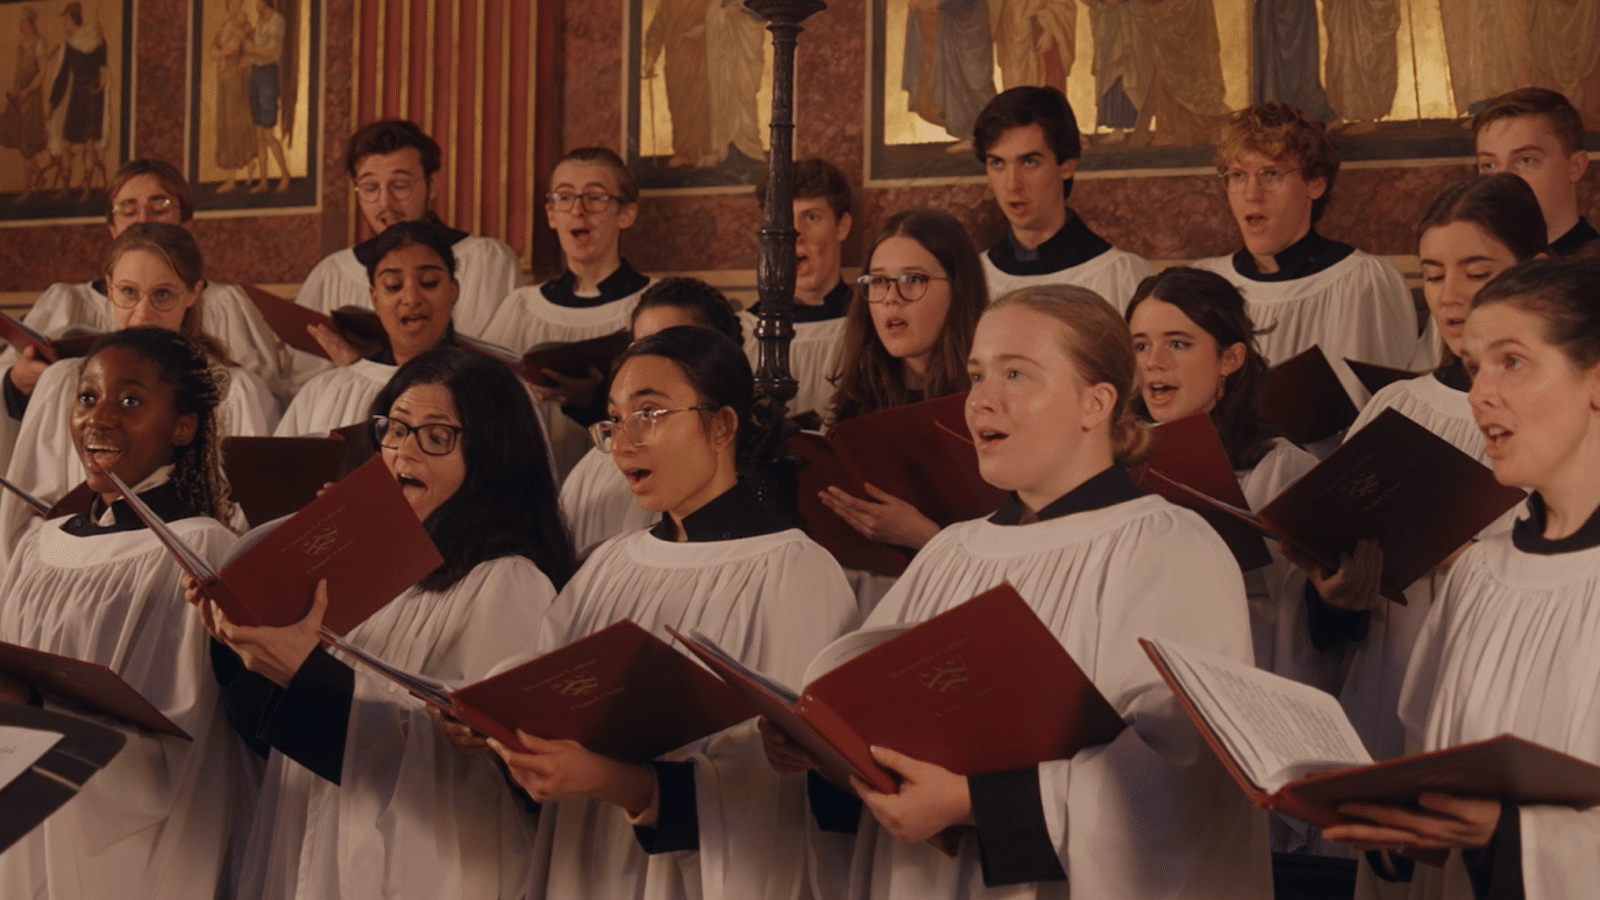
(833,306)
(1454,376)
(367,248)
(621,283)
(735,513)
(386,355)
(1576,238)
(1109,488)
(1073,245)
(1528,534)
(1307,256)
(162,499)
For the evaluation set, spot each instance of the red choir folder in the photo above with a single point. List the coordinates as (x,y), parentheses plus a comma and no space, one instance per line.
(362,536)
(1393,481)
(980,688)
(1189,459)
(1290,747)
(74,502)
(575,359)
(22,337)
(921,453)
(289,320)
(89,685)
(272,477)
(620,692)
(1303,398)
(1374,377)
(79,748)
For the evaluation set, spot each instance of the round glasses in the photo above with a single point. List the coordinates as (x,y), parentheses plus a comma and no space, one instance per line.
(911,286)
(434,438)
(1271,180)
(638,427)
(562,201)
(368,191)
(162,299)
(154,206)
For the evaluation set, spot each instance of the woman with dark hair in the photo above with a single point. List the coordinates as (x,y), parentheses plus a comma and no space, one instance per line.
(595,497)
(100,587)
(906,338)
(1473,231)
(363,797)
(1149,814)
(1512,643)
(683,428)
(411,270)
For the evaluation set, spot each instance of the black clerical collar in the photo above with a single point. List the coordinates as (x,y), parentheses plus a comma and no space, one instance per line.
(735,513)
(366,250)
(1528,534)
(833,306)
(162,499)
(1109,488)
(1073,245)
(1453,375)
(386,355)
(1307,256)
(1576,238)
(621,283)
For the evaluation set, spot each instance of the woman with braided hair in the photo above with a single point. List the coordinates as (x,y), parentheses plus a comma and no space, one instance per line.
(101,588)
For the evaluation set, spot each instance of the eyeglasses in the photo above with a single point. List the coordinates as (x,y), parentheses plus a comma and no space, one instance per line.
(155,206)
(911,286)
(638,427)
(163,299)
(434,438)
(399,189)
(1271,180)
(562,201)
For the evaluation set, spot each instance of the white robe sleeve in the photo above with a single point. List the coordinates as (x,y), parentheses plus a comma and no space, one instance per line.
(233,318)
(338,397)
(488,272)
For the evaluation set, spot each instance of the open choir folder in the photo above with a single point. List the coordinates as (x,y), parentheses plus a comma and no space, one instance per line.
(1396,482)
(921,453)
(75,501)
(45,759)
(620,692)
(362,536)
(273,477)
(289,320)
(1374,377)
(574,359)
(980,688)
(1303,398)
(1188,459)
(68,346)
(89,685)
(1291,748)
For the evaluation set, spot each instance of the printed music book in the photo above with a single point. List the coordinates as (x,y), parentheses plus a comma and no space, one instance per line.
(89,685)
(1375,378)
(1189,458)
(68,346)
(272,477)
(1396,482)
(575,359)
(620,692)
(45,758)
(75,501)
(980,688)
(1303,398)
(289,320)
(495,352)
(921,453)
(361,535)
(1291,748)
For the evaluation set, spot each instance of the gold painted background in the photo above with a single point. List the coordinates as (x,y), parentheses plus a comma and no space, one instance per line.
(213,15)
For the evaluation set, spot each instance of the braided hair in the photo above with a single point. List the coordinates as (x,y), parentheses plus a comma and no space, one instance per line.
(198,386)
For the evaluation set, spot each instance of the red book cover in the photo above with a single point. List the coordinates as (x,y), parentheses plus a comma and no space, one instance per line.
(22,337)
(288,319)
(271,477)
(86,684)
(1303,398)
(1374,377)
(1189,458)
(575,359)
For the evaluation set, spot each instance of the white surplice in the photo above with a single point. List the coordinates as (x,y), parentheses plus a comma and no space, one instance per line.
(1113,275)
(812,358)
(598,504)
(1152,814)
(338,397)
(412,817)
(772,601)
(154,824)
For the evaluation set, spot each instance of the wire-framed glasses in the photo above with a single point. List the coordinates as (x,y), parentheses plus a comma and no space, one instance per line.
(434,438)
(1270,179)
(911,286)
(399,189)
(155,206)
(638,427)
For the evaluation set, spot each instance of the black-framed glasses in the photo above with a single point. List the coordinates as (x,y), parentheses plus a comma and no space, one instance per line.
(434,438)
(155,206)
(911,286)
(638,427)
(399,189)
(127,296)
(562,201)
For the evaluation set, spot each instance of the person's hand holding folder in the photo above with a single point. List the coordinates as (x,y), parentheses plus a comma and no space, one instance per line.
(1445,822)
(273,653)
(561,770)
(1354,586)
(885,518)
(928,800)
(25,372)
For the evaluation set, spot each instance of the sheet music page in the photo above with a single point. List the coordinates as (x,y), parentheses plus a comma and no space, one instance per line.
(773,687)
(434,692)
(851,646)
(1273,727)
(21,748)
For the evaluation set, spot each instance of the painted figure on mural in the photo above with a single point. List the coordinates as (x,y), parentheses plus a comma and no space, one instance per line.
(1362,69)
(80,89)
(22,121)
(679,30)
(734,61)
(1566,52)
(237,147)
(1034,41)
(265,50)
(1487,45)
(949,65)
(1284,57)
(1160,65)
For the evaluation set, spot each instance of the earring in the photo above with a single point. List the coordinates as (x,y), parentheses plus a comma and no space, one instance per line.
(1222,388)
